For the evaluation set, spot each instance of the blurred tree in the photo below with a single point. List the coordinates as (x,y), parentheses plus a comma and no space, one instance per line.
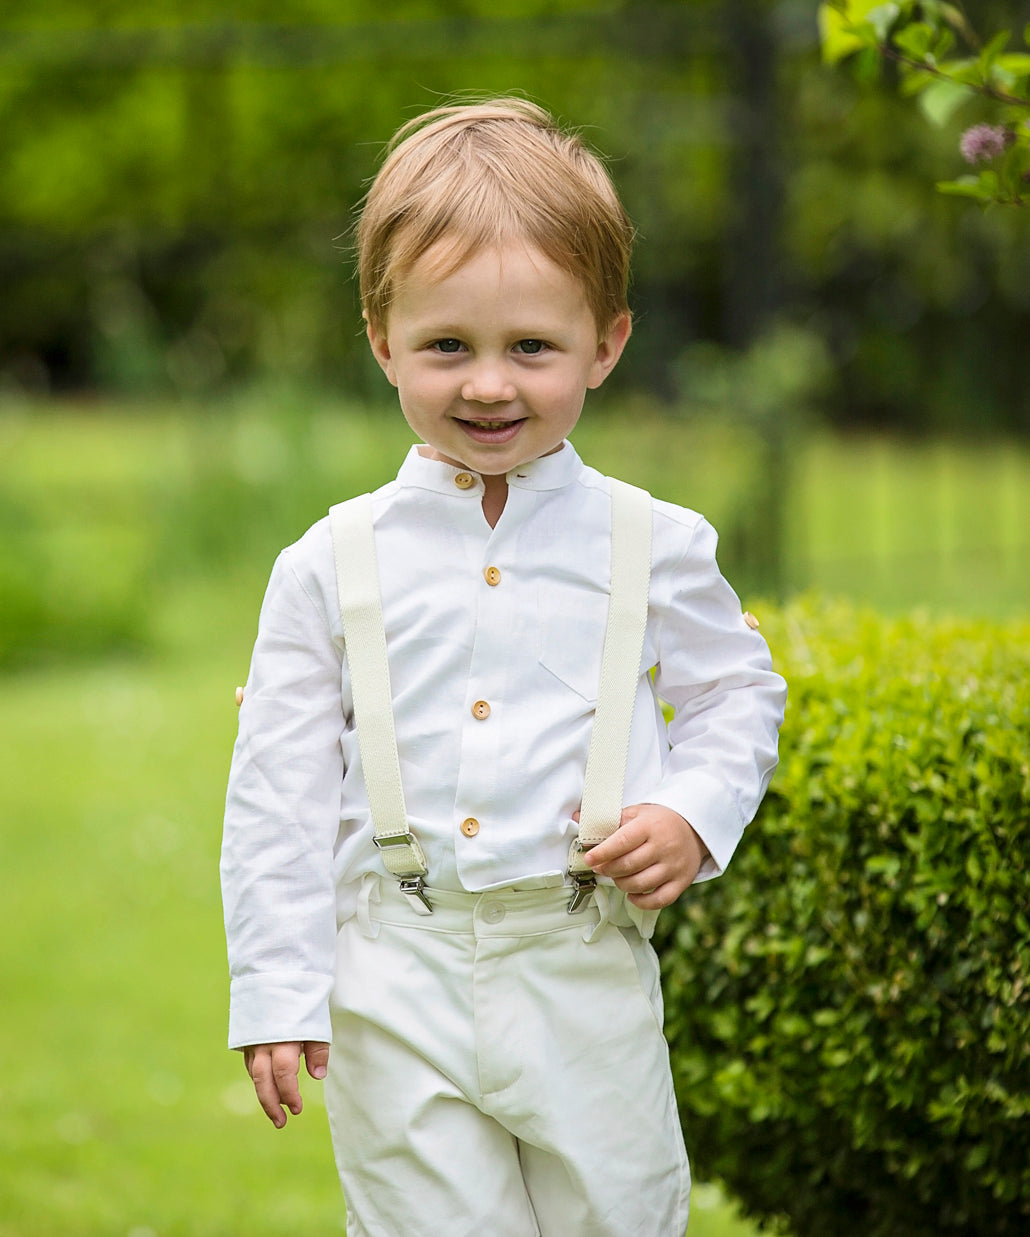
(178,181)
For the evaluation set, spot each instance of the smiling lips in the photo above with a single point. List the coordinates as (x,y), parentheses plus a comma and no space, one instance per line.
(491,431)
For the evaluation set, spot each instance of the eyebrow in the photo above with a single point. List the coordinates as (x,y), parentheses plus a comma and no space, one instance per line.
(448,329)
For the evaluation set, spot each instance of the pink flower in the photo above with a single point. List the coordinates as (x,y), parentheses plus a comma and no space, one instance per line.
(982,143)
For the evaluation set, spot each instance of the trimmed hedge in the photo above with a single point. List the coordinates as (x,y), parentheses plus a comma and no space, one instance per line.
(849,1007)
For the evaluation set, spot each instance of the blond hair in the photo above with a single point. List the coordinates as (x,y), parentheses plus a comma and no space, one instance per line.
(483,174)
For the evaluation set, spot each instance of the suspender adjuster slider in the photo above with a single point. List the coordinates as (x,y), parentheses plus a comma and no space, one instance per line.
(407,838)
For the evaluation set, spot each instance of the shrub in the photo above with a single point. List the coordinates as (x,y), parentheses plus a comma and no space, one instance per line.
(849,1008)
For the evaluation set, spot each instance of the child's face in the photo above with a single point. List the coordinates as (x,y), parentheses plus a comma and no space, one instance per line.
(492,362)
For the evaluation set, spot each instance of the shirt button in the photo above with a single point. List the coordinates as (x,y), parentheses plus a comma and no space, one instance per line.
(464,481)
(492,576)
(493,912)
(481,710)
(751,621)
(470,826)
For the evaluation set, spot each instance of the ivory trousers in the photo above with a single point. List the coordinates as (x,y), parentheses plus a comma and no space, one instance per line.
(498,1068)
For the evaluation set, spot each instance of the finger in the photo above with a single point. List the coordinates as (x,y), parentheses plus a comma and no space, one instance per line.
(259,1065)
(316,1058)
(658,898)
(627,838)
(645,881)
(285,1069)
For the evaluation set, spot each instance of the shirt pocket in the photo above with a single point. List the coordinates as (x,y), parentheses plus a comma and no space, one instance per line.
(571,632)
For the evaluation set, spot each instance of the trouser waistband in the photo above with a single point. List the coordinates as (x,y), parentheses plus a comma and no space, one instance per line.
(495,912)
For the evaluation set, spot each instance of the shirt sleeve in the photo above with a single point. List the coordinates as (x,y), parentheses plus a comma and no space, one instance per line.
(716,673)
(282,816)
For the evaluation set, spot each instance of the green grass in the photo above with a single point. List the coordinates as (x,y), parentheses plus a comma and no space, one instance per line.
(124,1116)
(898,525)
(108,505)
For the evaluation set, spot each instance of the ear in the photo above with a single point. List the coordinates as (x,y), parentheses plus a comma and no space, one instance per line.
(609,350)
(380,345)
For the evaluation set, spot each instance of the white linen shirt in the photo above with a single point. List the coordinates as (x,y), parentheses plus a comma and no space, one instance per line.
(512,616)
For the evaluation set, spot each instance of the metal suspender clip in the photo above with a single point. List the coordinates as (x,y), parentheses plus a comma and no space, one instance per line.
(411,882)
(582,888)
(415,888)
(579,876)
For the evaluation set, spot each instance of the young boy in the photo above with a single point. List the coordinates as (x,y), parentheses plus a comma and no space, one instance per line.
(486,983)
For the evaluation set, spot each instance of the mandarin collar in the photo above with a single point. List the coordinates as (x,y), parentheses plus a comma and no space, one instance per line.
(549,472)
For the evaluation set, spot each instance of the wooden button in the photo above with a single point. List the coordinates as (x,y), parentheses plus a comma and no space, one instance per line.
(470,826)
(492,576)
(464,481)
(239,696)
(481,710)
(751,621)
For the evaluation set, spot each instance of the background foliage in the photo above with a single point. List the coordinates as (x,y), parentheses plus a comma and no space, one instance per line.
(178,182)
(107,512)
(861,983)
(940,57)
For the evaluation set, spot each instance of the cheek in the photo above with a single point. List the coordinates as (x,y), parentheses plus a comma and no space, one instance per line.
(566,394)
(421,388)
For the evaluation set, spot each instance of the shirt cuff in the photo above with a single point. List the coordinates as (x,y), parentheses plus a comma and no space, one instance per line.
(279,1007)
(712,812)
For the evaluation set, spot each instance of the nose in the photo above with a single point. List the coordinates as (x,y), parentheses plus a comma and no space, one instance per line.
(488,383)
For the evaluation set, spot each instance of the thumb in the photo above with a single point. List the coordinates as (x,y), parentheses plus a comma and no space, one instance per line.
(316,1058)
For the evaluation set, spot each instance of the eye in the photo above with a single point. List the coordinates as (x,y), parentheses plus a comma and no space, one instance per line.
(530,347)
(448,346)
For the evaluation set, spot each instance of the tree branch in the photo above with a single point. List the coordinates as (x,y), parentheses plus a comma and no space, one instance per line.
(988,92)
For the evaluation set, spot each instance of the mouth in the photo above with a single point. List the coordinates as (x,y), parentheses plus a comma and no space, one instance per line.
(491,431)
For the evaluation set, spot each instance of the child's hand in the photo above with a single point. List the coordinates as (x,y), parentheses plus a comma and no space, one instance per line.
(274,1068)
(652,856)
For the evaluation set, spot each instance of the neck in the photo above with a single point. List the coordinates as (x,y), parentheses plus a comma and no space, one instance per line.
(494,497)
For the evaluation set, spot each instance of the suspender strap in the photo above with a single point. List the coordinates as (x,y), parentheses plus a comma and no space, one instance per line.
(357,578)
(601,811)
(357,581)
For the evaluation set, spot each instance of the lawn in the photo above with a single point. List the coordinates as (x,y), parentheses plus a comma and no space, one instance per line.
(124,1114)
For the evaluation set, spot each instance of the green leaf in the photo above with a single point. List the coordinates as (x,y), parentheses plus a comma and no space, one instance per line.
(913,81)
(967,187)
(945,42)
(964,71)
(882,17)
(858,11)
(1016,63)
(915,40)
(840,36)
(993,50)
(941,99)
